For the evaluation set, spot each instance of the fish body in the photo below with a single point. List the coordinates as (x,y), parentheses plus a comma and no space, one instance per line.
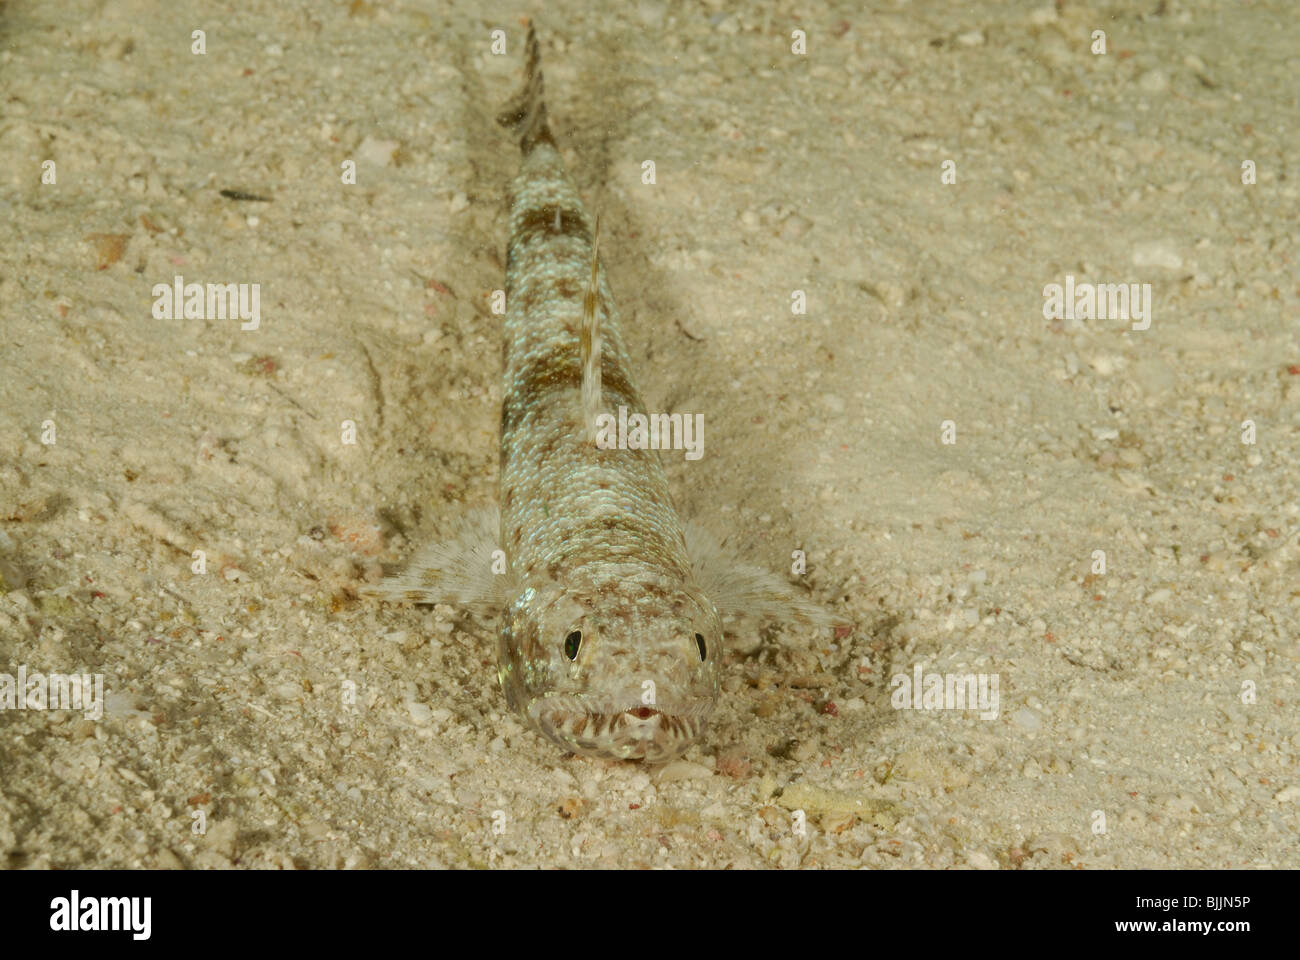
(613,612)
(609,645)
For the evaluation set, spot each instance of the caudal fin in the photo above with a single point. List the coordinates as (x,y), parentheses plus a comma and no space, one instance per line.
(525,115)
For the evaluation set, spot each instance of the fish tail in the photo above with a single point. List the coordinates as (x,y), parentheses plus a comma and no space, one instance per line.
(590,341)
(525,115)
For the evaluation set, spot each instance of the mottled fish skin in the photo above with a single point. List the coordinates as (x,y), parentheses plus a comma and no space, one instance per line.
(613,613)
(609,646)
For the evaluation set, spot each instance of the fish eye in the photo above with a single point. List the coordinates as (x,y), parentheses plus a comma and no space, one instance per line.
(571,644)
(699,642)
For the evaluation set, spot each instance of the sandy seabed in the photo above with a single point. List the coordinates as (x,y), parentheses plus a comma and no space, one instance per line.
(1114,532)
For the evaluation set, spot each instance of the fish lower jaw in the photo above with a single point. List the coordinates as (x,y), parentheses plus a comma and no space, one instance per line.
(640,733)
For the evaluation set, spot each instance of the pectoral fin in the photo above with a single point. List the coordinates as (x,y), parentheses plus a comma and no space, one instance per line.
(743,589)
(467,568)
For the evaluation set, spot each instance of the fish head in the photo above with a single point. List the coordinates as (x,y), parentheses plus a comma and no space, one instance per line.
(624,667)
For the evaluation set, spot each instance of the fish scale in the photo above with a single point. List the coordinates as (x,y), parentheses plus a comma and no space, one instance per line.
(612,628)
(591,535)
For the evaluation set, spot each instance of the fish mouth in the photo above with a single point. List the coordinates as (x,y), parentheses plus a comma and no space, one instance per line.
(621,731)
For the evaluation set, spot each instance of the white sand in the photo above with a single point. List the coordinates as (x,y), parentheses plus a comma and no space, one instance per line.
(1121,694)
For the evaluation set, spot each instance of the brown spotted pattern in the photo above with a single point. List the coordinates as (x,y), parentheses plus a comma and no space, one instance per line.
(592,538)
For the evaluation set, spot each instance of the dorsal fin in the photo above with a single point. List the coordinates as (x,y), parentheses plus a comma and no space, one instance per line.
(590,340)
